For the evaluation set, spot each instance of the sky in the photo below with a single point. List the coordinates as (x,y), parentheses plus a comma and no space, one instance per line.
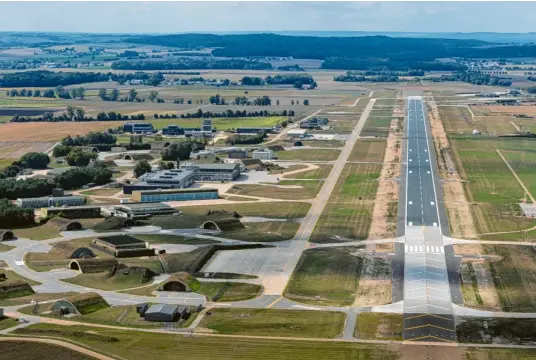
(201,16)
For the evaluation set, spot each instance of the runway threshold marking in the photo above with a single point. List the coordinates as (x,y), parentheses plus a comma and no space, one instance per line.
(433,315)
(431,337)
(431,325)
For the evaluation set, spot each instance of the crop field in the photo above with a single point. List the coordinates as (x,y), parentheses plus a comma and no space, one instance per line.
(328,276)
(309,154)
(348,211)
(491,185)
(135,346)
(285,189)
(514,275)
(379,326)
(339,123)
(221,123)
(51,132)
(265,209)
(368,150)
(271,322)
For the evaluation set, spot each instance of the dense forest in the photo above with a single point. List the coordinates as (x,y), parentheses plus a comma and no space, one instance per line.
(185,63)
(473,78)
(45,78)
(337,63)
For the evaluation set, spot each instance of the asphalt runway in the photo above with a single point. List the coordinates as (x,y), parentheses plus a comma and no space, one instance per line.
(428,312)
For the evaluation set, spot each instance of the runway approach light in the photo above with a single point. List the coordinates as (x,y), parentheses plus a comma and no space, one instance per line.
(476,132)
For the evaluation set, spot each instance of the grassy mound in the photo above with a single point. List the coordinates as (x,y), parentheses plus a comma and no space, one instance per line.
(88,302)
(15,288)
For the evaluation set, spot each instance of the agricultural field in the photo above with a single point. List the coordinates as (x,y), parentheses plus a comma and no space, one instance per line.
(457,119)
(135,346)
(51,132)
(328,276)
(321,172)
(348,211)
(271,322)
(496,330)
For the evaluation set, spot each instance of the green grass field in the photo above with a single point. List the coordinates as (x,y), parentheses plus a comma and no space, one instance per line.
(27,350)
(38,232)
(372,150)
(491,185)
(299,190)
(327,276)
(4,247)
(135,346)
(266,231)
(11,275)
(379,326)
(231,291)
(173,239)
(218,123)
(6,323)
(104,282)
(348,211)
(309,154)
(270,322)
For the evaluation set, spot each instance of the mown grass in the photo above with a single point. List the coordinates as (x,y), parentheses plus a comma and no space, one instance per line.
(379,326)
(319,173)
(6,323)
(135,346)
(4,247)
(271,322)
(27,350)
(104,282)
(372,150)
(328,276)
(299,190)
(348,211)
(12,275)
(173,239)
(266,231)
(221,123)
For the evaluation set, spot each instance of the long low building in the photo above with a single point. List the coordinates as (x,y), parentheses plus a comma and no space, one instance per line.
(50,201)
(138,209)
(175,195)
(74,212)
(213,172)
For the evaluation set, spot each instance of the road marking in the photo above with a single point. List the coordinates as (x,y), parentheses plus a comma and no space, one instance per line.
(426,160)
(19,262)
(432,203)
(410,223)
(410,160)
(428,172)
(411,202)
(411,172)
(435,224)
(274,302)
(410,149)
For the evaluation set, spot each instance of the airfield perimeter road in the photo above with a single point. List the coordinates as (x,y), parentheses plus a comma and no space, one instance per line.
(428,311)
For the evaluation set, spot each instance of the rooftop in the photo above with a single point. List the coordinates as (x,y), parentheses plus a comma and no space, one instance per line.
(143,205)
(81,207)
(162,308)
(121,240)
(173,175)
(175,191)
(218,166)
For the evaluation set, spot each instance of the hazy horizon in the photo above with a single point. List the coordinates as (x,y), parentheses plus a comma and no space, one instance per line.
(233,17)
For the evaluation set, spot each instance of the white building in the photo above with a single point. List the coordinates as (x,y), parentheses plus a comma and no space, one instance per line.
(263,154)
(297,133)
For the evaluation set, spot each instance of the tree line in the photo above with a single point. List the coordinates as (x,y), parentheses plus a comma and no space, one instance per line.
(79,117)
(58,92)
(473,78)
(340,63)
(231,114)
(31,160)
(46,78)
(189,63)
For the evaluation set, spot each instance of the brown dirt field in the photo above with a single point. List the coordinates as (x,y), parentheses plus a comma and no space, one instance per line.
(459,211)
(456,119)
(382,226)
(373,293)
(44,132)
(12,150)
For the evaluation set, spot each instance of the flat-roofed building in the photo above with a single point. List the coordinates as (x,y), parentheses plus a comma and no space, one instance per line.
(73,212)
(164,179)
(122,246)
(263,154)
(144,209)
(173,130)
(213,172)
(297,133)
(50,201)
(175,195)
